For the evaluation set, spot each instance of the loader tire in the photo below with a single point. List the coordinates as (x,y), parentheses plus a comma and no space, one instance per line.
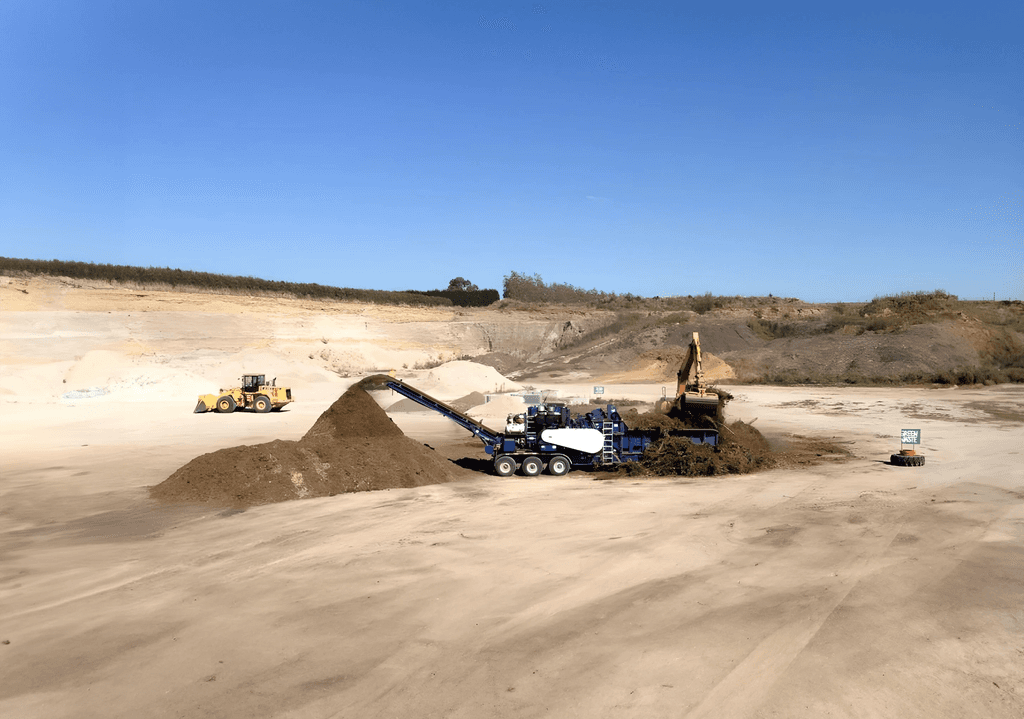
(559,466)
(907,460)
(505,466)
(532,466)
(262,404)
(226,404)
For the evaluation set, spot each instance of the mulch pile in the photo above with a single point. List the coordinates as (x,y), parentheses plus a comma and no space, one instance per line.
(353,447)
(740,448)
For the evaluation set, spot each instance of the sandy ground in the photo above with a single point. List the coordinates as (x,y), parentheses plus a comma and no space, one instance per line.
(858,589)
(853,590)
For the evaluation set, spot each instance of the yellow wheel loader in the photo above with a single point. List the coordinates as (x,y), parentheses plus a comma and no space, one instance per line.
(255,394)
(692,395)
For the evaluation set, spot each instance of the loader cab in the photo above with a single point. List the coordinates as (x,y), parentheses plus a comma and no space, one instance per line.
(253,382)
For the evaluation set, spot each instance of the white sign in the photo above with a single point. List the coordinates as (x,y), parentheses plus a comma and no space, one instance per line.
(598,389)
(910,436)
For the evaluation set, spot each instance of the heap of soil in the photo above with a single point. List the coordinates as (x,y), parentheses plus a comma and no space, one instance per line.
(473,399)
(353,447)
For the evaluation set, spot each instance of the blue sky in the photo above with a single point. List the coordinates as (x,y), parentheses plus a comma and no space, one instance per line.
(830,153)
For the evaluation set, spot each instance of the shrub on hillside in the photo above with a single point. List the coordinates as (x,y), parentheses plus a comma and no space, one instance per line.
(702,304)
(910,303)
(463,298)
(770,329)
(210,282)
(526,288)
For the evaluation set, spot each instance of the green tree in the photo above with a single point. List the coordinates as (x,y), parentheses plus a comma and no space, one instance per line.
(461,284)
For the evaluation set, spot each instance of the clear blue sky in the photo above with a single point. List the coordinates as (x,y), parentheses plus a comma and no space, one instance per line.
(823,151)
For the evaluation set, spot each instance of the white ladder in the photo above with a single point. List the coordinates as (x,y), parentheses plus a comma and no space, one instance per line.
(608,455)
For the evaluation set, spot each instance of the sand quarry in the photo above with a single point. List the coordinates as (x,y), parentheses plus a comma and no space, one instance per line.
(826,586)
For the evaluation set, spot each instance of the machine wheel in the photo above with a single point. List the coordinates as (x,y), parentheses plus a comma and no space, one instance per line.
(262,404)
(559,466)
(225,404)
(907,460)
(532,466)
(505,466)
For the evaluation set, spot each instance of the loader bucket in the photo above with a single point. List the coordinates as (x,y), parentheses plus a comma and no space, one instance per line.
(200,408)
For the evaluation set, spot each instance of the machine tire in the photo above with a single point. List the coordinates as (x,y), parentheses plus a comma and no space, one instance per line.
(532,466)
(906,460)
(505,466)
(559,466)
(226,404)
(262,404)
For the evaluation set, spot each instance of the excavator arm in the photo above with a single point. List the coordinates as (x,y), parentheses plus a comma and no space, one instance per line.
(691,365)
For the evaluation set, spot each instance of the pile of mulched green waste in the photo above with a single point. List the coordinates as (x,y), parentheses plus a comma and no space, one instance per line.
(354,446)
(740,449)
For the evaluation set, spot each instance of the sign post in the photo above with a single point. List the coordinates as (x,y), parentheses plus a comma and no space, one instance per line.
(909,436)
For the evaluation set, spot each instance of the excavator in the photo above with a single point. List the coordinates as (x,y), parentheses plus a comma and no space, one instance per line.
(692,396)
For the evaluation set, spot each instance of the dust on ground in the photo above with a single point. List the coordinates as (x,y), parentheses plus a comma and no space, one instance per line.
(795,450)
(1002,412)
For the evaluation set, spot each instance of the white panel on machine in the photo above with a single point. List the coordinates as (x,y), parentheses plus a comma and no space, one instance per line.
(584,440)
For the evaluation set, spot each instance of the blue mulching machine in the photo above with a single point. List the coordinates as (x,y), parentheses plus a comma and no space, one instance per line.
(546,437)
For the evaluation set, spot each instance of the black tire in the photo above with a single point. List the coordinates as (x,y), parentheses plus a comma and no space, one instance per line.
(907,460)
(226,404)
(262,404)
(532,466)
(559,466)
(505,466)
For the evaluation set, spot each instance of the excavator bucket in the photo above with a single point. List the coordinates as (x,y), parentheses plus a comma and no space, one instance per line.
(694,403)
